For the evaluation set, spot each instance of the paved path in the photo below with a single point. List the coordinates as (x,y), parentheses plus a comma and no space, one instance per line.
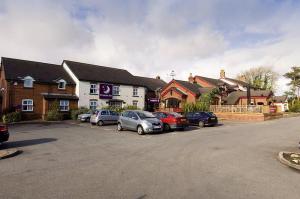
(79,161)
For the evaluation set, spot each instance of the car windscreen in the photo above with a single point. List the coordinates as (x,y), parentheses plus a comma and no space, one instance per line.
(144,115)
(211,114)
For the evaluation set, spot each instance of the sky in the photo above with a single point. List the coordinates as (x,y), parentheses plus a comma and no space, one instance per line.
(154,37)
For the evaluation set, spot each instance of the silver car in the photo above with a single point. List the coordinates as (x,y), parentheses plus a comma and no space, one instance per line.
(102,117)
(85,117)
(140,121)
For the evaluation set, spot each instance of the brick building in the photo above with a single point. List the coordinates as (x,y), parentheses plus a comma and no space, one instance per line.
(178,92)
(31,87)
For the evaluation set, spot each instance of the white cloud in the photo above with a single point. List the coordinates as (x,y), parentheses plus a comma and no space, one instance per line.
(154,37)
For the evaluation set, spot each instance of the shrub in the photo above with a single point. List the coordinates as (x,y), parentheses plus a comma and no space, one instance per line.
(76,112)
(294,106)
(53,113)
(12,117)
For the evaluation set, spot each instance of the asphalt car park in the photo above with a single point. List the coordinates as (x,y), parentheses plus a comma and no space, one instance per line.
(78,160)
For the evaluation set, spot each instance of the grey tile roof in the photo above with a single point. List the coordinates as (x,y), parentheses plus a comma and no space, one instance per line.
(151,83)
(95,73)
(214,82)
(192,87)
(17,69)
(280,98)
(233,97)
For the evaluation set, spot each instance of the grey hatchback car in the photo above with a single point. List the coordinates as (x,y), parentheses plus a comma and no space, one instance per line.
(140,121)
(101,117)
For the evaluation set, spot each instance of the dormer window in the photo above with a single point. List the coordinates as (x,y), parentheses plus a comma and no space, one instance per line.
(28,82)
(62,84)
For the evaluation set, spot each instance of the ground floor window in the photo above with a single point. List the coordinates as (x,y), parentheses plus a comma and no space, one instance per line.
(116,104)
(172,103)
(27,105)
(134,103)
(64,105)
(93,104)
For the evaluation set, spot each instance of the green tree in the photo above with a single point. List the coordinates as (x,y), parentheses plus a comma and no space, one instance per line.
(264,78)
(294,76)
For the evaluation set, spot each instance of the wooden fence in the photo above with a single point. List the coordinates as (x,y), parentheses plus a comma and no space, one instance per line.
(239,109)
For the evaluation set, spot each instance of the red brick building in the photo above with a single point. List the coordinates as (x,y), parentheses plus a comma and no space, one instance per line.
(31,87)
(178,92)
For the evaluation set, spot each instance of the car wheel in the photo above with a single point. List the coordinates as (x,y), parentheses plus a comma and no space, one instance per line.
(100,123)
(119,127)
(88,119)
(140,130)
(167,127)
(201,124)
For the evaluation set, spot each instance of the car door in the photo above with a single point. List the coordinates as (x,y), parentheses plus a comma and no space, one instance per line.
(190,118)
(114,116)
(133,120)
(125,119)
(104,116)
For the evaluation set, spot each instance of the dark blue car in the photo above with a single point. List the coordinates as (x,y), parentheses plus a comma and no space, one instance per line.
(202,118)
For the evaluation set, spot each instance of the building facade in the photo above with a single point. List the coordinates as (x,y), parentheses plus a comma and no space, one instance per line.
(32,87)
(100,86)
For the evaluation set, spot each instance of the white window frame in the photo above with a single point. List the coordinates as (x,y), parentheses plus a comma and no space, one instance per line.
(64,84)
(28,82)
(135,103)
(135,92)
(64,105)
(116,90)
(25,103)
(94,89)
(95,104)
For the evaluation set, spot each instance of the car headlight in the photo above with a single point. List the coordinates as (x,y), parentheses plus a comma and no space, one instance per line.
(147,124)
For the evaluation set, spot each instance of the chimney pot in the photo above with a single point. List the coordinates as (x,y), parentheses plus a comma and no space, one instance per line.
(222,74)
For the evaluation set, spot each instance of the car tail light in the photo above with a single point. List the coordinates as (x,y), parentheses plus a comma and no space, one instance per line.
(3,129)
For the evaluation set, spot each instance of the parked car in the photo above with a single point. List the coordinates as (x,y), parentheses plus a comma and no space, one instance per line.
(140,121)
(202,118)
(4,134)
(86,116)
(172,121)
(101,117)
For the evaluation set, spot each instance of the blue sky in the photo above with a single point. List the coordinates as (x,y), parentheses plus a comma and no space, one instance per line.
(155,37)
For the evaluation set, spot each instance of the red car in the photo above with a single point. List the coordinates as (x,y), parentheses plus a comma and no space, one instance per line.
(172,121)
(4,134)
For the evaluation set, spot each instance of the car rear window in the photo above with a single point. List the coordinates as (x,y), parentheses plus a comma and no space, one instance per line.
(176,115)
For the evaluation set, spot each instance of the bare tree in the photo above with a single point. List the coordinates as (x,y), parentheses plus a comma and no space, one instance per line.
(262,77)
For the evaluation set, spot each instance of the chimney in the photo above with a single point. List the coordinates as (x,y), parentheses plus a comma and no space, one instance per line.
(222,74)
(157,77)
(243,78)
(191,79)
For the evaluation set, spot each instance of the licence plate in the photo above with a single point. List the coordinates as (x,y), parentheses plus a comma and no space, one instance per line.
(183,120)
(156,127)
(212,118)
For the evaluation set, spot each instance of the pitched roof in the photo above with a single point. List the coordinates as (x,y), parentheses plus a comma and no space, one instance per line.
(192,87)
(233,97)
(279,99)
(151,83)
(17,69)
(237,81)
(90,72)
(214,82)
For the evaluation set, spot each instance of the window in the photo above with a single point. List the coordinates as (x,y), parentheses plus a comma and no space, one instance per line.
(135,91)
(62,84)
(93,104)
(93,89)
(104,113)
(64,105)
(27,105)
(134,103)
(116,90)
(116,104)
(28,82)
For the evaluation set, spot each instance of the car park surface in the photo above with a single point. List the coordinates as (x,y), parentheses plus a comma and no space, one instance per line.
(233,160)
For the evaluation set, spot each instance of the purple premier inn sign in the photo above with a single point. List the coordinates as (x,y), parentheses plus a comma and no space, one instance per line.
(105,91)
